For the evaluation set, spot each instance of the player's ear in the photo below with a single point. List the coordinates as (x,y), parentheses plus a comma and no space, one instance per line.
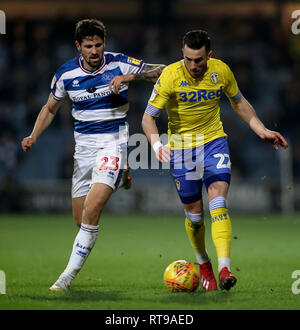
(77,44)
(209,54)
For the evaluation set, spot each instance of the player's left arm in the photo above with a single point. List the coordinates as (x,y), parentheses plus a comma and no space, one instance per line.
(162,152)
(150,73)
(247,113)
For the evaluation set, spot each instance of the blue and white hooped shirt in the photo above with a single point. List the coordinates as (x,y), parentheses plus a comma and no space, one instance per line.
(97,111)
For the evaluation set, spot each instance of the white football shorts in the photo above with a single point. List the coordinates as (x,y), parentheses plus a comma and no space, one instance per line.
(98,165)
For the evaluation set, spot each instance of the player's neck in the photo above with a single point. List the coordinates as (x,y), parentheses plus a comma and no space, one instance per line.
(89,67)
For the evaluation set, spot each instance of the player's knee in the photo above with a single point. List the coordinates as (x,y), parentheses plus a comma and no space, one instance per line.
(196,207)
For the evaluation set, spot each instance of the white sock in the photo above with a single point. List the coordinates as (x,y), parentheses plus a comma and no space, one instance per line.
(202,258)
(223,262)
(83,244)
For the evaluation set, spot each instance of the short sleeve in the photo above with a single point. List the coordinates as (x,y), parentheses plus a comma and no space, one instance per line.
(161,91)
(130,65)
(57,88)
(231,87)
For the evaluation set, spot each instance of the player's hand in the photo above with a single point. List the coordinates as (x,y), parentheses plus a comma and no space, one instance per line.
(28,143)
(164,154)
(117,81)
(275,138)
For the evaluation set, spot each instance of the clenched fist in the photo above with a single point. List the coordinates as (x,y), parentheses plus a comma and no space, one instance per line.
(28,143)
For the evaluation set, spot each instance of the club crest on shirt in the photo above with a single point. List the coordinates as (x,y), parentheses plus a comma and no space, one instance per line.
(177,183)
(214,77)
(106,77)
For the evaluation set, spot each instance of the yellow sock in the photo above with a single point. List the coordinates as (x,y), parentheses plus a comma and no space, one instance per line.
(196,235)
(221,231)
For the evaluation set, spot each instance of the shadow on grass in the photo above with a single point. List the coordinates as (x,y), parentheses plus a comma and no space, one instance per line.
(197,299)
(91,296)
(77,294)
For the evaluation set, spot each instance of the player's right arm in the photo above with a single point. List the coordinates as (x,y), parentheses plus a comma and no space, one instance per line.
(44,119)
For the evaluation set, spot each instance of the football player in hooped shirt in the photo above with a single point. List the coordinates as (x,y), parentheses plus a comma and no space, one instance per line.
(190,90)
(97,84)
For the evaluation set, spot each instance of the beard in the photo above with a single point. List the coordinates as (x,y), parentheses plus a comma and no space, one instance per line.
(94,62)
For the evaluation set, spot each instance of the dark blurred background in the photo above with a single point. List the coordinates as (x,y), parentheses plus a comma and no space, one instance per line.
(253,37)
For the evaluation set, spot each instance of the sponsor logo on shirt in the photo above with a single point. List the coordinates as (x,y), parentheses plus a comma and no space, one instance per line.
(200,95)
(184,83)
(75,83)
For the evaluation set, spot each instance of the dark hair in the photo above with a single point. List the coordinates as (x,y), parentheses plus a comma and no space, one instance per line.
(88,28)
(196,39)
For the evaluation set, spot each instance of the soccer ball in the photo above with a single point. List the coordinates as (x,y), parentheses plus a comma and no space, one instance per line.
(181,276)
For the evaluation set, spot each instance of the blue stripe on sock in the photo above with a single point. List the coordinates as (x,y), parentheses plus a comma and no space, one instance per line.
(217,203)
(90,230)
(196,217)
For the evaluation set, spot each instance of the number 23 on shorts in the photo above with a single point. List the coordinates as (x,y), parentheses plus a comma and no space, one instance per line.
(110,163)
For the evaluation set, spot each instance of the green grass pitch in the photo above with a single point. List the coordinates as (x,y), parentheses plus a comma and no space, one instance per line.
(125,268)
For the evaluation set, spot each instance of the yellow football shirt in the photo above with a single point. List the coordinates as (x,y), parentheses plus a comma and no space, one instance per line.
(193,106)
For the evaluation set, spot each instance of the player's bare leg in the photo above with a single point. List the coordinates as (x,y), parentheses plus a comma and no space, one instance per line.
(78,202)
(77,208)
(95,202)
(221,231)
(87,235)
(218,188)
(195,228)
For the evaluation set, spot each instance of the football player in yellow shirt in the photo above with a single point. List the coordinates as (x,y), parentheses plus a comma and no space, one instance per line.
(190,90)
